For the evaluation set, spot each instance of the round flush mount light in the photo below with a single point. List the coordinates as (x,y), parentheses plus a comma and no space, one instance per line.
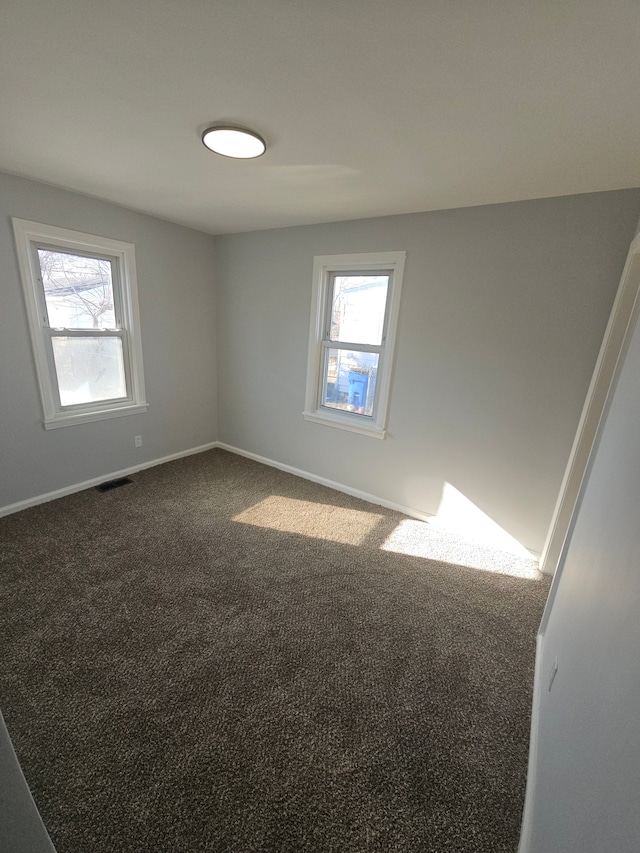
(236,142)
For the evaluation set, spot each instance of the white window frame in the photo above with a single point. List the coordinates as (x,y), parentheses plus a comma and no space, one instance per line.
(30,236)
(324,269)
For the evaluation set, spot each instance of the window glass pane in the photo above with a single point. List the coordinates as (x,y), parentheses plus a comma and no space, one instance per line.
(78,290)
(357,308)
(89,369)
(349,380)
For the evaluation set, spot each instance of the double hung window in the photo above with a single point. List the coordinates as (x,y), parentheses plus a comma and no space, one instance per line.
(80,293)
(353,322)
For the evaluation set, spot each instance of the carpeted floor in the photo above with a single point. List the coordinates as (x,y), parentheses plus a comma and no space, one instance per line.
(222,657)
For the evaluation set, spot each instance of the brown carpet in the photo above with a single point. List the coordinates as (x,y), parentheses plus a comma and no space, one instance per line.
(188,665)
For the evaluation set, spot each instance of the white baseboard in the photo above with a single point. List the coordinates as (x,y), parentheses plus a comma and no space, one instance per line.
(272,463)
(339,487)
(331,484)
(103,478)
(289,469)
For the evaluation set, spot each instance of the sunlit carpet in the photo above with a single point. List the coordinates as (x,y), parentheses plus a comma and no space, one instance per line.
(224,657)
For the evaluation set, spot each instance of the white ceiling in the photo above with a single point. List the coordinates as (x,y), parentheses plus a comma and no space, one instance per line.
(369,107)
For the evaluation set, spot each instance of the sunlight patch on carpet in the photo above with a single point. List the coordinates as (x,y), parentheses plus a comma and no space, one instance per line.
(306,518)
(422,539)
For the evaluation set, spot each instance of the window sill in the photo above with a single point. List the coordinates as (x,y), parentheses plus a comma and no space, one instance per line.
(342,422)
(65,420)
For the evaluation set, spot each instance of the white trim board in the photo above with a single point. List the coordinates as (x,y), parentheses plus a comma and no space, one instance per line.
(103,478)
(289,469)
(620,329)
(331,484)
(527,813)
(272,463)
(615,336)
(339,487)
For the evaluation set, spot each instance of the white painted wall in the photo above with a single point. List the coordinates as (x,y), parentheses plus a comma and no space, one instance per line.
(504,308)
(175,267)
(584,775)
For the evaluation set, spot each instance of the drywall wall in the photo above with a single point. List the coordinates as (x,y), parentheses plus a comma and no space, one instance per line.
(175,268)
(21,827)
(503,311)
(585,758)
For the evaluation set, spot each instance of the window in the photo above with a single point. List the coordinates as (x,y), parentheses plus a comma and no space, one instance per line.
(354,314)
(82,305)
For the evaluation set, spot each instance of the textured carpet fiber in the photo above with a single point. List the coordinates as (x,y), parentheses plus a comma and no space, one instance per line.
(222,657)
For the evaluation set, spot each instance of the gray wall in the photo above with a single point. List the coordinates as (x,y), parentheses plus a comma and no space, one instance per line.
(21,827)
(504,309)
(175,267)
(587,763)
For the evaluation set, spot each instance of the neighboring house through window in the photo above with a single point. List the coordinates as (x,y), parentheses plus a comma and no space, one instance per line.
(354,316)
(81,298)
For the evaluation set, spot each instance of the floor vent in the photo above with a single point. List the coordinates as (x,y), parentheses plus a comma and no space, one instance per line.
(113,484)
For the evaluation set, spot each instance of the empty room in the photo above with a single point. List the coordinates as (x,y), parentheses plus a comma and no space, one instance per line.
(319,467)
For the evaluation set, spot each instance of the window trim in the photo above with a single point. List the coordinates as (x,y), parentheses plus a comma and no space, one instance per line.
(324,268)
(29,236)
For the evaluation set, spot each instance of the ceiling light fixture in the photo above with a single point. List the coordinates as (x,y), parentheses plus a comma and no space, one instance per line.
(237,142)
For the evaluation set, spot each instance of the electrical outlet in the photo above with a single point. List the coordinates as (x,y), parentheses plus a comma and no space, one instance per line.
(553,673)
(138,441)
